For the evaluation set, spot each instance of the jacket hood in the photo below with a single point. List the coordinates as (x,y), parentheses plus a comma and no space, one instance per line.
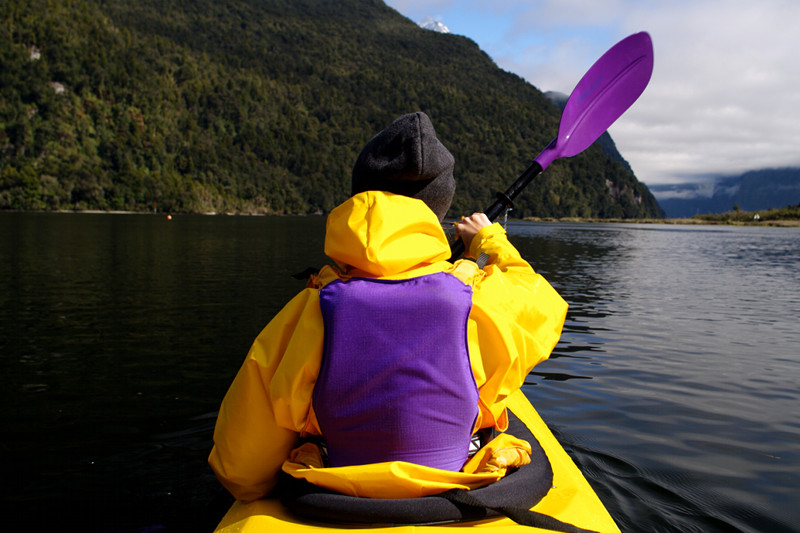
(383,234)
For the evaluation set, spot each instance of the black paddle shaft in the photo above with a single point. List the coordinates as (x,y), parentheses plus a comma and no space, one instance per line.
(505,200)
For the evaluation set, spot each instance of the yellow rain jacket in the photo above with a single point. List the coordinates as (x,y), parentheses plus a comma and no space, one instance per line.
(514,324)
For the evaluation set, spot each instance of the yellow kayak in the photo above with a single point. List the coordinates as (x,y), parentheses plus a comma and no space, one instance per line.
(570,500)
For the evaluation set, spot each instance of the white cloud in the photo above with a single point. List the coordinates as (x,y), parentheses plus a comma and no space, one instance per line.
(725,92)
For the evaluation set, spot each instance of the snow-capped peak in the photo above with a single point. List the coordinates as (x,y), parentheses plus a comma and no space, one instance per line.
(434,25)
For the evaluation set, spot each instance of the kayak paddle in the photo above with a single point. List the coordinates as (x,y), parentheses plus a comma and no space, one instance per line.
(604,93)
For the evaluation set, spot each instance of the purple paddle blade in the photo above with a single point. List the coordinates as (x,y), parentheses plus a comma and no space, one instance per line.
(604,93)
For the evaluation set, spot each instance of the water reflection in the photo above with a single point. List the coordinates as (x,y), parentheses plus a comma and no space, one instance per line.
(674,386)
(118,331)
(688,333)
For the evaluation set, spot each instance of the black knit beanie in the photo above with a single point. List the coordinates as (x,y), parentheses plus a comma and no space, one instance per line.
(406,158)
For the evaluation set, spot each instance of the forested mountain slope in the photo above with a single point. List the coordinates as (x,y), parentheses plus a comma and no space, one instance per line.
(262,106)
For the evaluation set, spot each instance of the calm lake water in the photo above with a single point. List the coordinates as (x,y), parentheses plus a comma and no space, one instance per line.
(674,387)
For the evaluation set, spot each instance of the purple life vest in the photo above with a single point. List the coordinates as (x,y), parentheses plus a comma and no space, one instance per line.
(396,382)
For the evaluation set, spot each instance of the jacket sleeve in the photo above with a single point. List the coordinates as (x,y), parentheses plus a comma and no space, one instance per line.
(257,425)
(515,323)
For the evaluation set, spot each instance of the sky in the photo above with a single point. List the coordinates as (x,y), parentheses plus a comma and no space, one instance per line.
(725,93)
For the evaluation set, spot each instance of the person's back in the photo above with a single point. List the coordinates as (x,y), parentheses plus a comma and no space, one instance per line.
(396,382)
(397,357)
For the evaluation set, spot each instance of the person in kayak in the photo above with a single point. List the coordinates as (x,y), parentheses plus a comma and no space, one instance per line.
(373,380)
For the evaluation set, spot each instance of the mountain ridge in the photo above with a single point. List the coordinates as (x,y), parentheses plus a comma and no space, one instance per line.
(751,191)
(434,25)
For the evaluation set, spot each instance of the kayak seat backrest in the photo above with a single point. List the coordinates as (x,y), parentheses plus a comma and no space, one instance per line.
(520,489)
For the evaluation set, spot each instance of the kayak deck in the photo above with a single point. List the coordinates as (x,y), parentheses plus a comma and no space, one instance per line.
(571,499)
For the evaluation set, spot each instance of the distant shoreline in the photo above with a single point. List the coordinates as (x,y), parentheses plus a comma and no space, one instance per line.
(783,223)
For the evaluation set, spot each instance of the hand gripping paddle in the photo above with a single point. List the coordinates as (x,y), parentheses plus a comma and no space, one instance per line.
(604,93)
